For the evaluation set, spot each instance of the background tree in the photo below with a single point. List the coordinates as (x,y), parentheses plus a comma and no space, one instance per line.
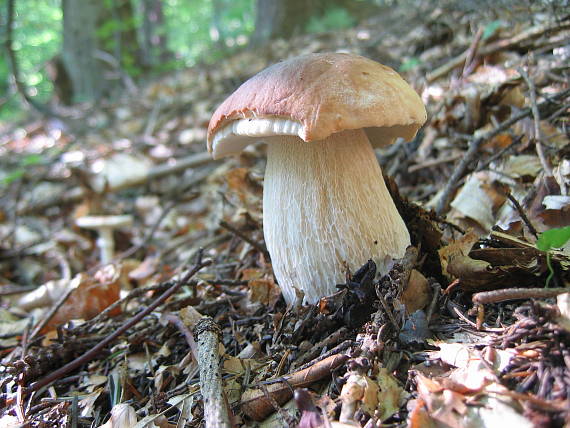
(284,18)
(153,38)
(80,48)
(117,37)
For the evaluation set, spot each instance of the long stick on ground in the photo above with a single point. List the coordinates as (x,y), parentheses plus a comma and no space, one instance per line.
(216,410)
(159,171)
(531,33)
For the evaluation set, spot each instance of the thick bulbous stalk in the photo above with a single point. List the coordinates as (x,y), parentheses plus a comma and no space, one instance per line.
(325,207)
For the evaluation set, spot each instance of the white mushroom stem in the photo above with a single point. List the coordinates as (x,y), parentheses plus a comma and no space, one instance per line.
(106,244)
(325,207)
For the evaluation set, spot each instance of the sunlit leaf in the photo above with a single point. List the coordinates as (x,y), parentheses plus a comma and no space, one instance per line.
(553,238)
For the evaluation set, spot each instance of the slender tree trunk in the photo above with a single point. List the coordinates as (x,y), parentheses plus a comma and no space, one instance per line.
(284,18)
(217,33)
(269,21)
(153,40)
(123,43)
(79,48)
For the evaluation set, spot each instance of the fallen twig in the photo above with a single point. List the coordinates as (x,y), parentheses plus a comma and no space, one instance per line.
(536,116)
(491,48)
(179,324)
(86,357)
(496,296)
(475,144)
(257,245)
(257,404)
(472,52)
(522,214)
(216,409)
(328,342)
(52,312)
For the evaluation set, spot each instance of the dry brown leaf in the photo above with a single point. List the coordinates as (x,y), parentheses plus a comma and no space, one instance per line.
(417,294)
(91,295)
(419,416)
(264,291)
(390,394)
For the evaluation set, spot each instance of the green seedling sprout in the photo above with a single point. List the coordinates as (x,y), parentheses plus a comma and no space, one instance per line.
(553,238)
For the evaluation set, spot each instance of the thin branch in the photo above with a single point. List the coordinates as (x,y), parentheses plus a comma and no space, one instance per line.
(503,295)
(536,117)
(523,215)
(257,245)
(52,312)
(531,33)
(77,194)
(216,409)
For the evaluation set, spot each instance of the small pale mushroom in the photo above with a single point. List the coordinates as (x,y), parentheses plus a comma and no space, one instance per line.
(104,225)
(325,203)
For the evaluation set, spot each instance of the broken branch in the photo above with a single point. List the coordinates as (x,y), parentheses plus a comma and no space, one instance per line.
(216,409)
(531,33)
(257,405)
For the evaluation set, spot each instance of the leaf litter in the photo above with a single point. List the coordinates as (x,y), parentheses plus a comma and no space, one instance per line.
(461,332)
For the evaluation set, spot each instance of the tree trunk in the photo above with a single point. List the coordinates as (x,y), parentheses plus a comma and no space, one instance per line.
(273,21)
(284,18)
(122,43)
(80,46)
(217,33)
(153,38)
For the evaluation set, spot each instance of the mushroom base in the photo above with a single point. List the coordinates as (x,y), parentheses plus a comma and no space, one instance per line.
(325,208)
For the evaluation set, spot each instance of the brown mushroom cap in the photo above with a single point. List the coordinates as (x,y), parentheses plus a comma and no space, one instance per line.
(321,94)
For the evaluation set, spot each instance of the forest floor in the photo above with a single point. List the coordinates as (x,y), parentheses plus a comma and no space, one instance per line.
(470,328)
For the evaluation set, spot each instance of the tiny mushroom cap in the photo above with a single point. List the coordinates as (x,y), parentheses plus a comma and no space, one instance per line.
(104,225)
(325,203)
(97,222)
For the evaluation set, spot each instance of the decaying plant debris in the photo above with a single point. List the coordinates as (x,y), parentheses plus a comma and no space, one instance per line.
(461,332)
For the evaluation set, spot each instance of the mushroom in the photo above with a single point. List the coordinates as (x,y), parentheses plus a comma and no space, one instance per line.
(104,225)
(325,204)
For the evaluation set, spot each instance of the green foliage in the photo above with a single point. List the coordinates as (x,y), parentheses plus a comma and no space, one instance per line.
(37,38)
(23,164)
(491,28)
(190,31)
(553,238)
(410,64)
(196,31)
(333,19)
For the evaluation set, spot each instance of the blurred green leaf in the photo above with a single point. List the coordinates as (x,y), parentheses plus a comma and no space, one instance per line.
(491,28)
(30,160)
(13,176)
(410,64)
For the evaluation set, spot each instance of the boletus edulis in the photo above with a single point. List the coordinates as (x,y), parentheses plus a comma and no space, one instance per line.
(325,203)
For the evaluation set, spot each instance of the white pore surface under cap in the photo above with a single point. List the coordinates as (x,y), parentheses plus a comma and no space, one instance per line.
(233,137)
(325,207)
